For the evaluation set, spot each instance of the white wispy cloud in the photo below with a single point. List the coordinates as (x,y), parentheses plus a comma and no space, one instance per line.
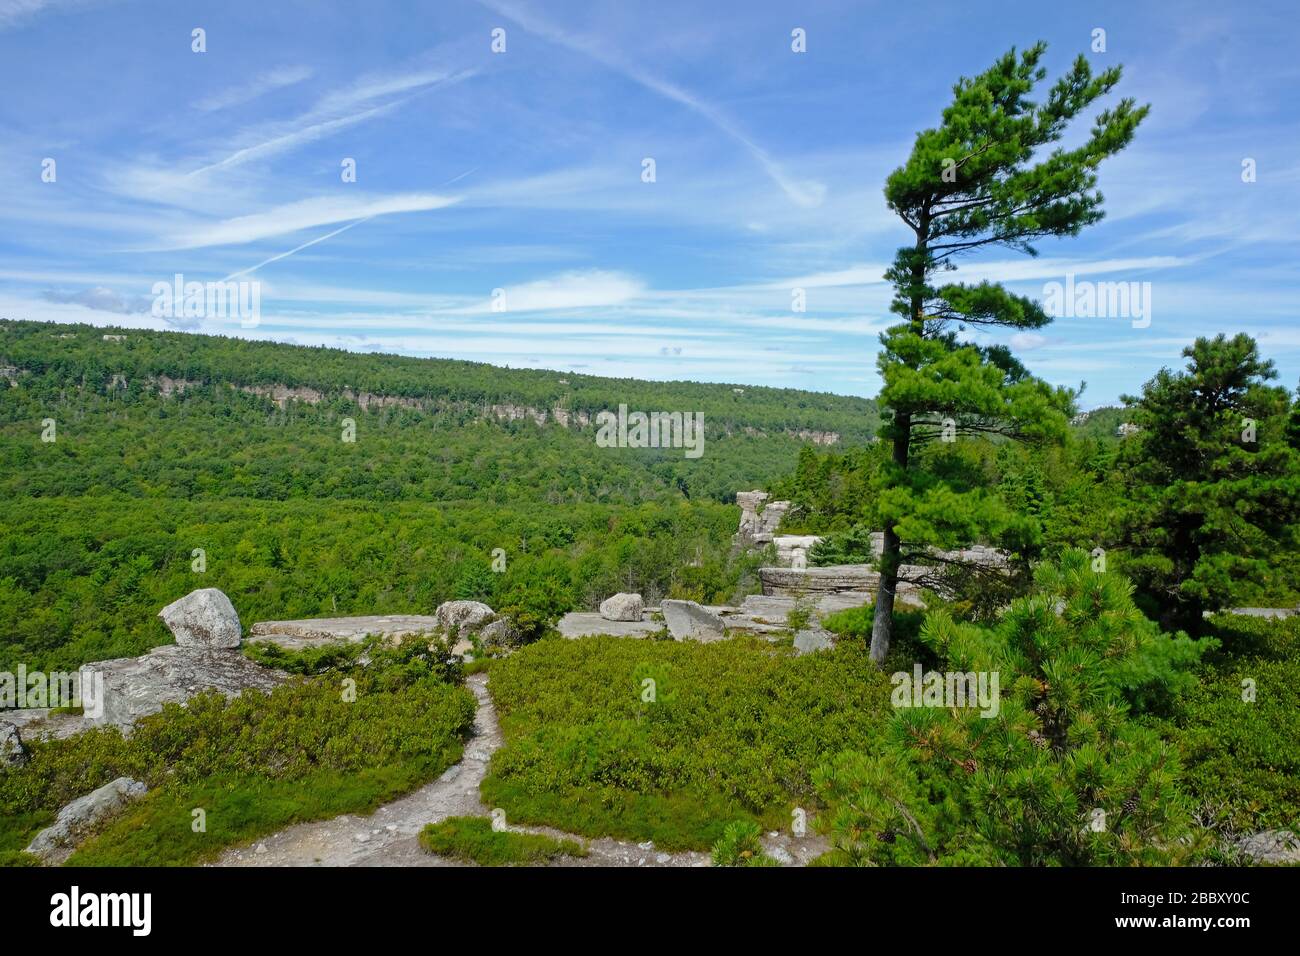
(807,193)
(337,110)
(296,249)
(303,214)
(267,82)
(1028,341)
(100,299)
(569,290)
(14,13)
(292,139)
(1010,270)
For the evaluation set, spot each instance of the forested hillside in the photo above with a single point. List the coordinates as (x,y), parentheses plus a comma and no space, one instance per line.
(189,415)
(169,445)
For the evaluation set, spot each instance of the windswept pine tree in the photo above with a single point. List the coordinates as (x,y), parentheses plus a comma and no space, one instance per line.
(979,179)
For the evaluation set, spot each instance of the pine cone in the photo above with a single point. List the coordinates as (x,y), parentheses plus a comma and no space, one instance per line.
(1131,804)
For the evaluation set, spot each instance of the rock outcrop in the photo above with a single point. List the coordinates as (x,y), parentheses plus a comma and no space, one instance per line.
(759,518)
(205,656)
(137,686)
(764,615)
(204,619)
(79,818)
(1271,847)
(577,624)
(12,751)
(792,549)
(622,607)
(687,620)
(833,578)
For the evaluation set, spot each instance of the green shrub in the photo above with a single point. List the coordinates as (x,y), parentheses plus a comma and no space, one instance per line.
(1253,638)
(1242,755)
(732,732)
(534,603)
(853,627)
(800,615)
(854,622)
(1022,786)
(158,829)
(254,762)
(473,839)
(739,845)
(844,547)
(308,661)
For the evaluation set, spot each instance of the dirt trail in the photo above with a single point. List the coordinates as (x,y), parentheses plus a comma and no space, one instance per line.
(389,837)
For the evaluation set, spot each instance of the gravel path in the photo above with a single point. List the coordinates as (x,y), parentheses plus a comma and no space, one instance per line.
(389,836)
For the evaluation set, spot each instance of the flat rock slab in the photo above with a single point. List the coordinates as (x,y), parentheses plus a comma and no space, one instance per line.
(589,624)
(296,635)
(761,614)
(1279,847)
(46,724)
(767,613)
(838,577)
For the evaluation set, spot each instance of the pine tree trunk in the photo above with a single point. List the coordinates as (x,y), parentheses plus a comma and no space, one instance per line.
(882,623)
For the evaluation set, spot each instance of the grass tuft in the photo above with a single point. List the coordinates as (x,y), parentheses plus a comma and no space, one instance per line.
(474,840)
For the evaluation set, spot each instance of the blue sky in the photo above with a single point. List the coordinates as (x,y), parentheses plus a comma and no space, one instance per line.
(522,171)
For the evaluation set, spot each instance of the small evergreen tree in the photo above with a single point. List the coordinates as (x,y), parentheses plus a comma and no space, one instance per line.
(1061,775)
(1213,505)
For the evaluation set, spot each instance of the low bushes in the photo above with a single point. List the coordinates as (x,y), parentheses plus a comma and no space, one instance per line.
(310,748)
(668,741)
(1239,731)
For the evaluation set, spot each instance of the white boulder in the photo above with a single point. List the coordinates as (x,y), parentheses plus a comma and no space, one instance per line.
(499,634)
(204,618)
(622,607)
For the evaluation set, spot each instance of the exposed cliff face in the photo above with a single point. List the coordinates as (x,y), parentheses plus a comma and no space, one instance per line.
(561,415)
(818,438)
